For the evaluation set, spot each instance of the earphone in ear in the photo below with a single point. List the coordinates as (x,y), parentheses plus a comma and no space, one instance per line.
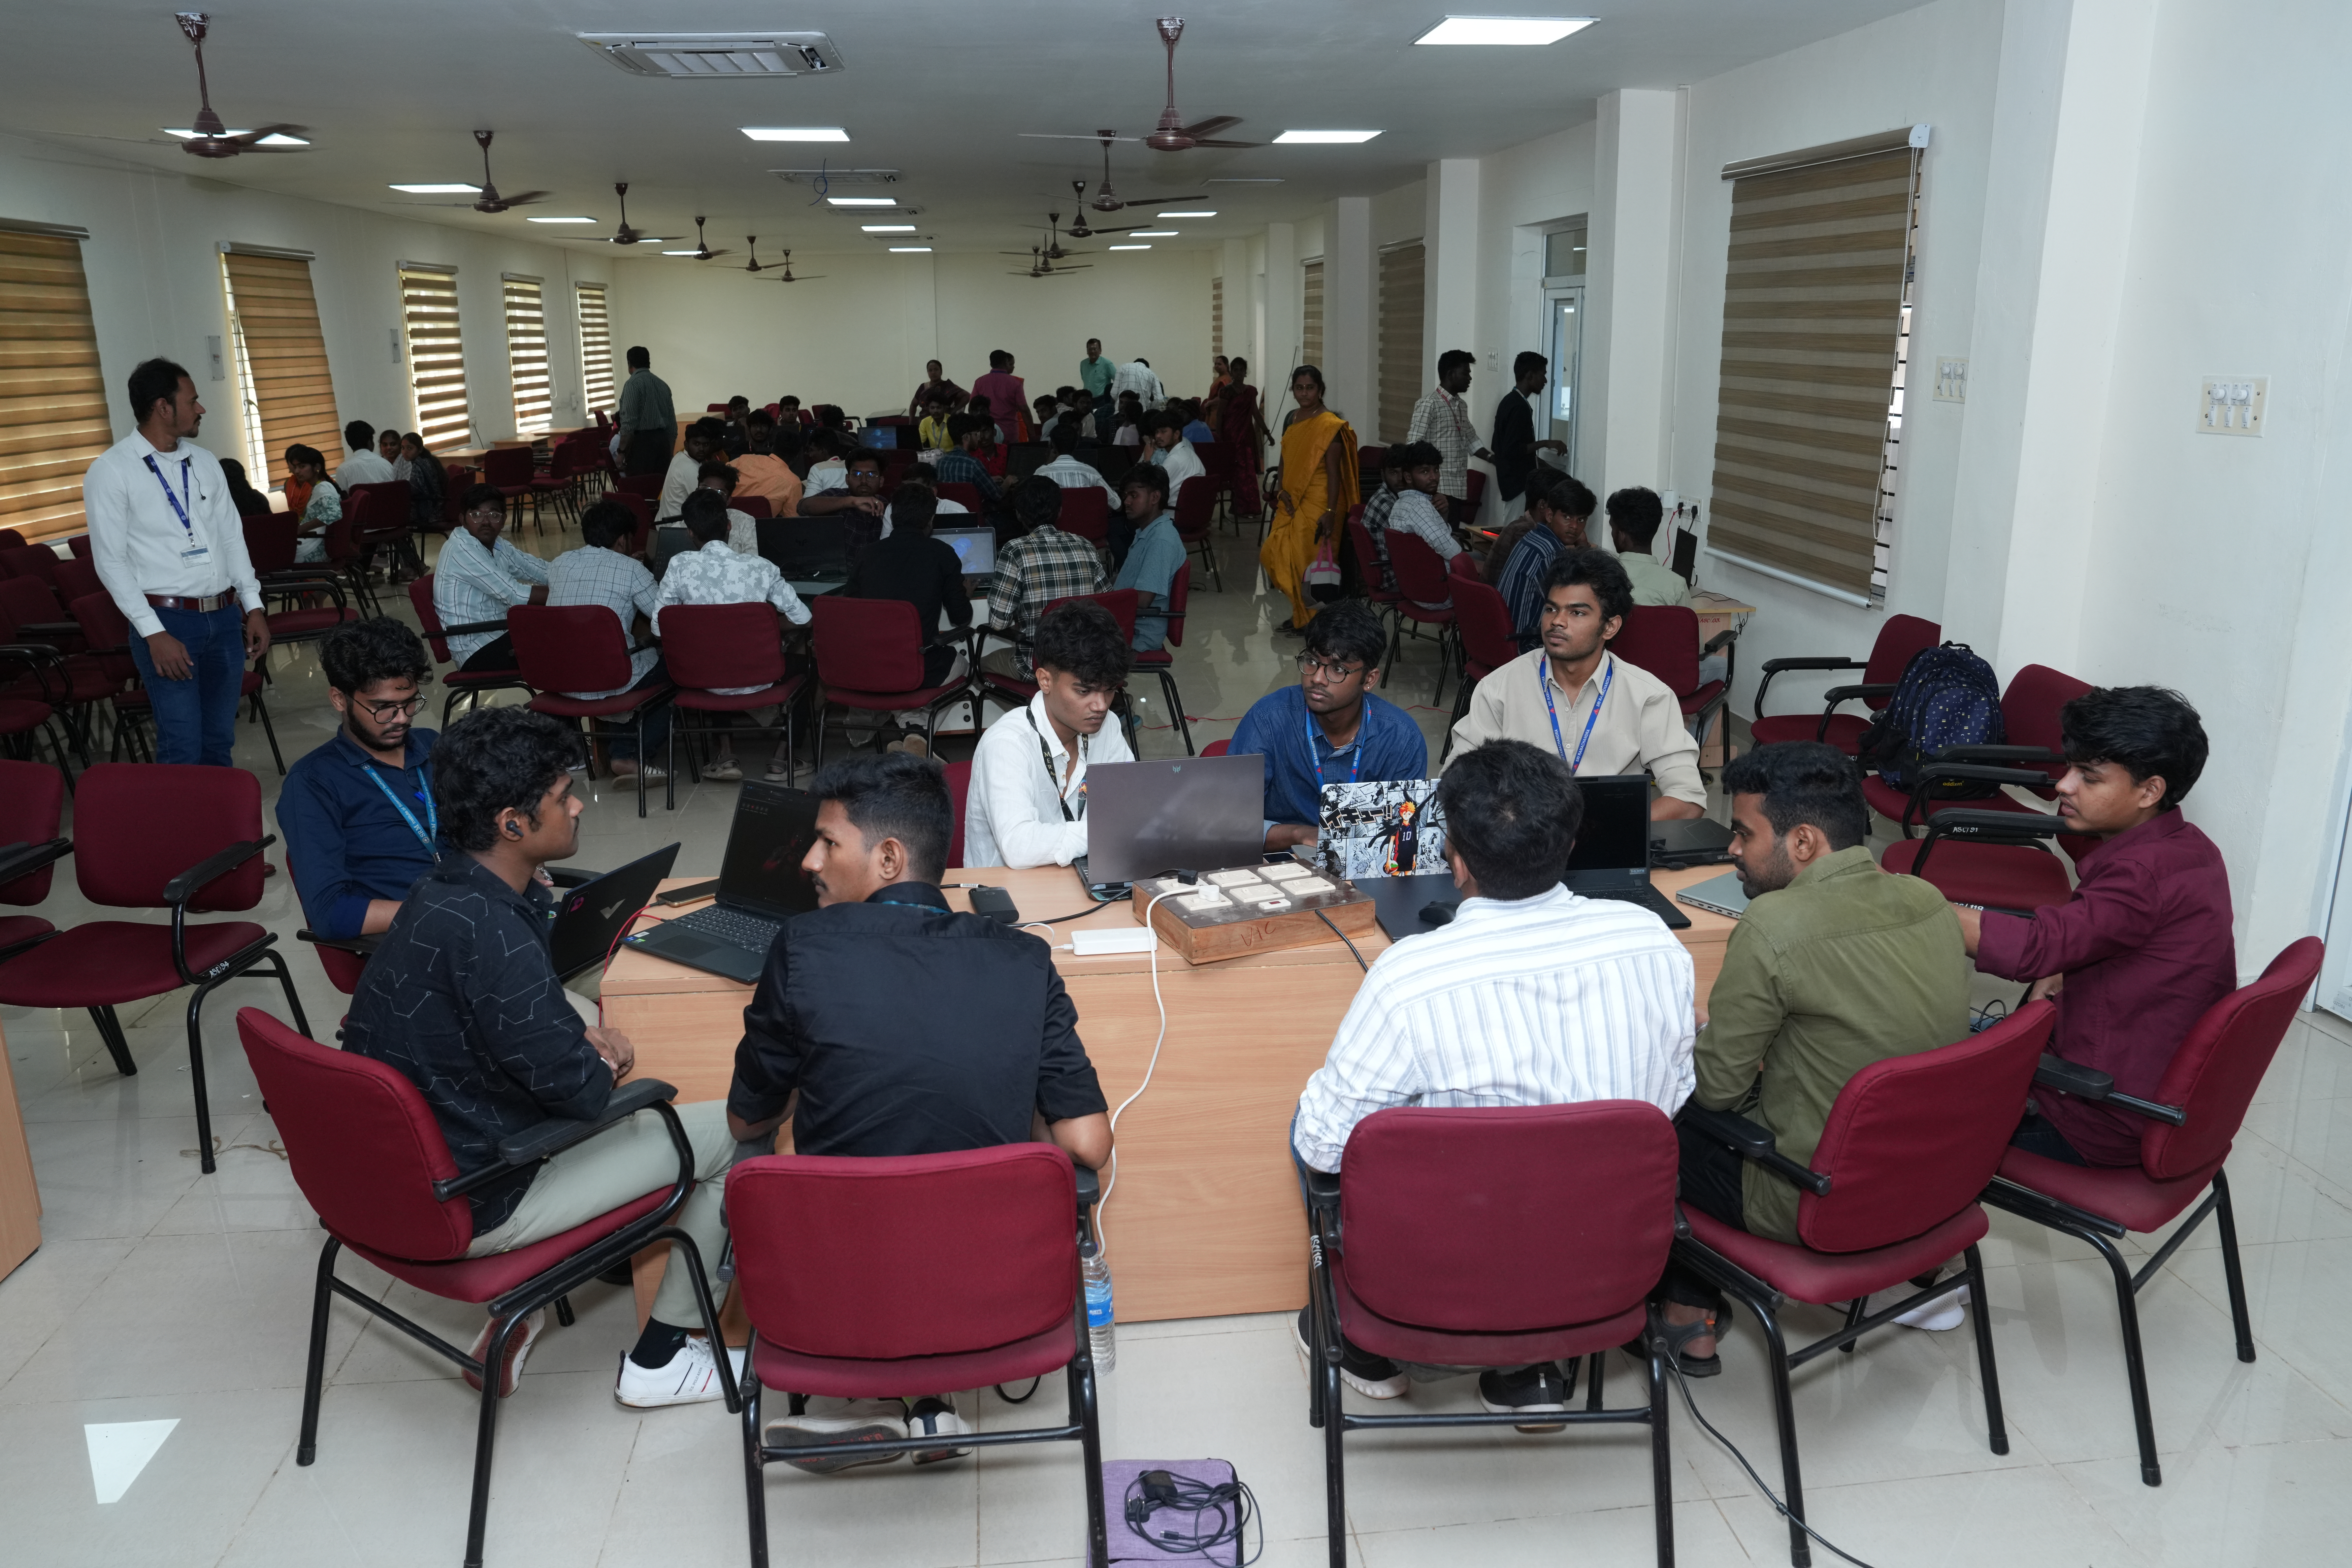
(512,831)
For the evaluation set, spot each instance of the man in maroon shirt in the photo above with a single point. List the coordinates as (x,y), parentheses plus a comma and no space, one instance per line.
(1008,397)
(2143,946)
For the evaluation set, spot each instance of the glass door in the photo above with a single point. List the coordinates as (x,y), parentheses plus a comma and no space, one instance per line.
(1565,337)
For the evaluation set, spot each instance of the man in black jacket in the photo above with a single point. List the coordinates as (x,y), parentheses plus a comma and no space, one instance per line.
(462,1000)
(1514,445)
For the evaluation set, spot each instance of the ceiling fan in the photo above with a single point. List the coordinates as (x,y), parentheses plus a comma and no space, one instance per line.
(1079,229)
(625,235)
(1054,251)
(489,200)
(702,251)
(1173,135)
(786,276)
(208,136)
(1107,200)
(1042,266)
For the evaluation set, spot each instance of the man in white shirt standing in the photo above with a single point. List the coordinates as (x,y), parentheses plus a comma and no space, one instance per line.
(168,544)
(1138,377)
(1531,996)
(363,466)
(1442,418)
(1027,804)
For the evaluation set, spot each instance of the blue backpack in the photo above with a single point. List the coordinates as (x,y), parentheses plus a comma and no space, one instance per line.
(1947,697)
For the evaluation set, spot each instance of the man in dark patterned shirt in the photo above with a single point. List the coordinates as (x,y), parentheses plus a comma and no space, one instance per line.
(462,1000)
(1042,565)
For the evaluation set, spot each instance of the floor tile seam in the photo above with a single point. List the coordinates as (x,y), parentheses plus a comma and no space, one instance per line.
(245,1519)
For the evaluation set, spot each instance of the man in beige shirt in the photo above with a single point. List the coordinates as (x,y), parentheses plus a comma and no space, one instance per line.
(1572,696)
(759,473)
(1634,517)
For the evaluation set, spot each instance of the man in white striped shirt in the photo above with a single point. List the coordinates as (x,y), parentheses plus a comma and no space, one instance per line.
(1531,996)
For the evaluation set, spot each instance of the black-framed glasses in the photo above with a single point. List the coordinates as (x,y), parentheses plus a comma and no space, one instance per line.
(1309,665)
(400,707)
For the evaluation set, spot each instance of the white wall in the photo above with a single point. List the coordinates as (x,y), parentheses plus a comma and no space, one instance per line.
(1522,189)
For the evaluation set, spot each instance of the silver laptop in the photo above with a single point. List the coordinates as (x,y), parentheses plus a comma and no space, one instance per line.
(1717,895)
(975,547)
(1173,813)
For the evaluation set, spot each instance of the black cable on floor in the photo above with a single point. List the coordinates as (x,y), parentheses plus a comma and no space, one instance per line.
(1063,919)
(1034,1384)
(1769,1495)
(1343,937)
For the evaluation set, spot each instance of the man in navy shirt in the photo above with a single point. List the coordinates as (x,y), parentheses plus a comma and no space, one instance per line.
(1329,729)
(358,812)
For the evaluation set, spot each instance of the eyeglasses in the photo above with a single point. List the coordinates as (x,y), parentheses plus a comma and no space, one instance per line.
(1310,665)
(399,708)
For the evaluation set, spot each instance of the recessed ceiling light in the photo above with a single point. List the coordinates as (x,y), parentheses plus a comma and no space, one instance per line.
(441,190)
(1130,247)
(1523,30)
(681,253)
(1209,213)
(1153,233)
(1294,137)
(904,250)
(888,227)
(275,139)
(796,132)
(559,220)
(863,201)
(1244,180)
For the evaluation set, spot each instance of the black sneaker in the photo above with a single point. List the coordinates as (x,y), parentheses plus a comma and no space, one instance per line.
(1530,1390)
(1374,1376)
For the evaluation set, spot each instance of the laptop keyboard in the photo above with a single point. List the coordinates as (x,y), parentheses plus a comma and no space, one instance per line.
(1650,899)
(753,933)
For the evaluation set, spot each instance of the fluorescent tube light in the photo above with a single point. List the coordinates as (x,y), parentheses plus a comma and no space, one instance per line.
(1294,137)
(1526,31)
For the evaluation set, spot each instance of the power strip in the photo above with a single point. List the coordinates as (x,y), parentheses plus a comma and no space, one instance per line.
(1089,944)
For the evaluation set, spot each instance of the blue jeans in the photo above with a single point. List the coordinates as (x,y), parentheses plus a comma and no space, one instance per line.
(655,721)
(196,719)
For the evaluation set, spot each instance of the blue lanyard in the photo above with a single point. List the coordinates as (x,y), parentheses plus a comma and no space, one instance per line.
(179,502)
(1354,749)
(1543,678)
(428,839)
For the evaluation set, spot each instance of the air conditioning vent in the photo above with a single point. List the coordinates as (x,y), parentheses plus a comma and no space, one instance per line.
(704,55)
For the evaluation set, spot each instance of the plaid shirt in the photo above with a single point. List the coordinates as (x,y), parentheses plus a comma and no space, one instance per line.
(1442,420)
(715,575)
(1033,570)
(960,468)
(593,575)
(1377,507)
(471,584)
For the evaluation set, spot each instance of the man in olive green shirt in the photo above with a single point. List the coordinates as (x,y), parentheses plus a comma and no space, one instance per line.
(1834,966)
(1634,517)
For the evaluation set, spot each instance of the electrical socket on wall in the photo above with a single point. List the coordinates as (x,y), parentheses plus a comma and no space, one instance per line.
(2231,405)
(1951,380)
(213,348)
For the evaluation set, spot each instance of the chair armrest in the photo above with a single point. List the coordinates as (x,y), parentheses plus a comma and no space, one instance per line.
(1753,1141)
(1997,755)
(2089,1083)
(49,629)
(1089,1185)
(1837,694)
(1720,640)
(1995,825)
(471,627)
(1772,667)
(23,859)
(559,1134)
(196,878)
(364,946)
(1937,772)
(1323,1192)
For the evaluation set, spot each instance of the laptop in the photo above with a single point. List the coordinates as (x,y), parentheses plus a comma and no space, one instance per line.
(1612,857)
(590,916)
(761,886)
(1391,828)
(1689,841)
(1717,895)
(975,547)
(1178,813)
(807,549)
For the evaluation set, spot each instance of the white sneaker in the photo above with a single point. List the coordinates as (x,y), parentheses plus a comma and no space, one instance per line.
(517,1350)
(1948,1313)
(831,1420)
(934,1415)
(689,1377)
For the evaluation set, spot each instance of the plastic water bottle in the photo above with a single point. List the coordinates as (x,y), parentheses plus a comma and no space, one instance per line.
(1101,1331)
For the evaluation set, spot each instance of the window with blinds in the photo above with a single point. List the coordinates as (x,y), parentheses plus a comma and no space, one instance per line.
(1216,315)
(1400,307)
(1816,299)
(437,354)
(52,396)
(288,396)
(595,350)
(534,397)
(1310,315)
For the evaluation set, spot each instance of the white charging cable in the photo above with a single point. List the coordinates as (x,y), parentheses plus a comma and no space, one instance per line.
(1102,1237)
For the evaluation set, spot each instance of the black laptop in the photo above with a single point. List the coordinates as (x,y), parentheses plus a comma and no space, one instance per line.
(761,886)
(807,549)
(588,917)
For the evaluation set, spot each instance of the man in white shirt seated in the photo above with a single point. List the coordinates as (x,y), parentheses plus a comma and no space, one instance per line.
(1027,804)
(1167,449)
(1415,510)
(713,573)
(598,573)
(1071,471)
(479,577)
(705,440)
(1599,996)
(363,466)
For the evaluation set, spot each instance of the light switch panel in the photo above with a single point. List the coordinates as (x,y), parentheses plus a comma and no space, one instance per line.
(2231,405)
(1951,380)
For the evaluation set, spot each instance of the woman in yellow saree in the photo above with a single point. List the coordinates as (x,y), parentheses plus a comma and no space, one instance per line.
(1319,488)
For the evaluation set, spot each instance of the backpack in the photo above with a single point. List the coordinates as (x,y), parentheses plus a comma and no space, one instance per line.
(1947,697)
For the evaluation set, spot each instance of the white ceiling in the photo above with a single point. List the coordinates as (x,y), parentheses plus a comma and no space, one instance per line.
(937,89)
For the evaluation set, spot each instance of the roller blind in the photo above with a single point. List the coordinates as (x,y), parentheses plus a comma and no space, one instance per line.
(1310,315)
(1400,307)
(1815,328)
(526,356)
(595,348)
(1216,315)
(52,396)
(437,355)
(282,358)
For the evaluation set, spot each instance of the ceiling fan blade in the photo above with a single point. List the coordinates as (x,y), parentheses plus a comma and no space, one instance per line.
(1066,136)
(248,137)
(1204,141)
(713,254)
(1155,201)
(1211,126)
(526,198)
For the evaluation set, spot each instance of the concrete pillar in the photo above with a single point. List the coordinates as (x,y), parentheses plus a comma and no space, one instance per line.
(1351,315)
(1633,267)
(1449,315)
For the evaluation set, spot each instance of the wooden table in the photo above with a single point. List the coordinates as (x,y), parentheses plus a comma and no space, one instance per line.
(20,1198)
(1718,613)
(1204,1220)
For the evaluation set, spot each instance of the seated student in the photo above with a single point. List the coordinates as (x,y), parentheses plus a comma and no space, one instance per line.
(702,445)
(1573,697)
(855,496)
(1142,500)
(387,446)
(1329,728)
(1127,424)
(761,468)
(1600,994)
(1634,515)
(1040,566)
(363,466)
(461,1000)
(428,482)
(601,572)
(1834,966)
(479,577)
(1414,511)
(875,1081)
(743,528)
(1555,521)
(926,573)
(1380,502)
(733,436)
(1068,470)
(961,464)
(2144,945)
(1027,800)
(1045,410)
(1166,448)
(358,812)
(1196,428)
(827,467)
(714,573)
(928,477)
(932,435)
(1155,555)
(323,502)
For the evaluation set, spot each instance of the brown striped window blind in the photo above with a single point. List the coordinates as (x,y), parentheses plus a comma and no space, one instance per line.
(527,354)
(281,359)
(52,396)
(595,350)
(437,354)
(1401,306)
(1216,315)
(1816,316)
(1310,313)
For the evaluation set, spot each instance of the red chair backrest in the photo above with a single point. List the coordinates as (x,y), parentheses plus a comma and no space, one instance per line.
(1484,620)
(38,561)
(710,646)
(1464,568)
(1663,640)
(1180,596)
(384,508)
(570,647)
(363,1144)
(76,578)
(1086,513)
(103,624)
(1911,1140)
(82,546)
(2028,714)
(1216,748)
(1122,604)
(957,490)
(1897,640)
(809,1230)
(2215,1072)
(752,506)
(31,802)
(646,485)
(866,645)
(428,619)
(24,601)
(959,792)
(269,540)
(1454,1219)
(1368,554)
(509,467)
(11,540)
(139,825)
(1196,500)
(1419,576)
(1372,460)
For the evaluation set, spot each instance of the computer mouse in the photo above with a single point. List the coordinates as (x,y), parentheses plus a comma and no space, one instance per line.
(1438,911)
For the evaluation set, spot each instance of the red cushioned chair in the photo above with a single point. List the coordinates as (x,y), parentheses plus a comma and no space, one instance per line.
(1443,1240)
(754,507)
(583,647)
(153,835)
(269,545)
(1890,1194)
(35,687)
(808,1233)
(1897,640)
(381,523)
(468,684)
(1464,568)
(560,482)
(957,490)
(877,644)
(1196,506)
(1216,748)
(108,634)
(2199,1107)
(1085,512)
(2031,755)
(1160,661)
(1420,577)
(1663,640)
(370,1158)
(33,560)
(508,470)
(648,487)
(1482,620)
(32,803)
(710,646)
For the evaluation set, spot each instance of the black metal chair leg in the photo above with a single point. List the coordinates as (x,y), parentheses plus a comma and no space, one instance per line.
(306,1449)
(196,1079)
(1980,1317)
(2135,1364)
(262,712)
(1784,1411)
(563,1310)
(486,1436)
(1335,1463)
(1088,1419)
(293,999)
(1662,1469)
(755,1498)
(118,1045)
(2226,1217)
(1855,1310)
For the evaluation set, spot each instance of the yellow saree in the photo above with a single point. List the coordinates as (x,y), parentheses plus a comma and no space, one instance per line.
(1306,495)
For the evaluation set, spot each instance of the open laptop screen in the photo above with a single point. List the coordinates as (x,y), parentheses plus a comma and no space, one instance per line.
(1615,833)
(772,831)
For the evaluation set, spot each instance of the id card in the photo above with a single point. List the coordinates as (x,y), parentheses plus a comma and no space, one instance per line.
(197,552)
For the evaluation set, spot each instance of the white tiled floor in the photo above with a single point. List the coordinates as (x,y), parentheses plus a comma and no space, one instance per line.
(161,1293)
